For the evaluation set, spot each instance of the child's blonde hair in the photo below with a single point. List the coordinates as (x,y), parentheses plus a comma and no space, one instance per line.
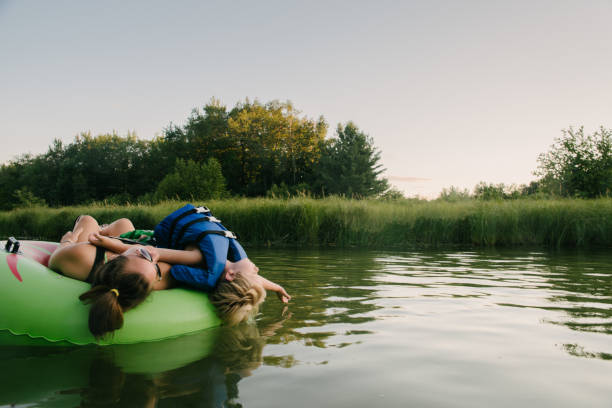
(237,300)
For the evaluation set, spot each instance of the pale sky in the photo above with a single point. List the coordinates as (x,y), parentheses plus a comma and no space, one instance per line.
(453,92)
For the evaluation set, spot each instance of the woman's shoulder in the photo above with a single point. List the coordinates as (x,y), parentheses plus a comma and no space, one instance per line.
(74,260)
(79,250)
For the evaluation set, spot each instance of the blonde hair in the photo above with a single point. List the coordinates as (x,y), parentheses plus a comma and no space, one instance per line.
(237,300)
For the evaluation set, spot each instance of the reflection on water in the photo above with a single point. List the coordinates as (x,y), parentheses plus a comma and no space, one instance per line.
(365,328)
(198,370)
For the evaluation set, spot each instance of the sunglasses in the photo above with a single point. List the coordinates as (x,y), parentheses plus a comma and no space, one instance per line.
(147,255)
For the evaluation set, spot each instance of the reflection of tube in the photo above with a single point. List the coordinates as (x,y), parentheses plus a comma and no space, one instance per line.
(157,357)
(213,381)
(34,374)
(201,383)
(202,369)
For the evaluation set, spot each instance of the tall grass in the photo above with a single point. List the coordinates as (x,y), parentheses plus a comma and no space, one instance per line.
(361,223)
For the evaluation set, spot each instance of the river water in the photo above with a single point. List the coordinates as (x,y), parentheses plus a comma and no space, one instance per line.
(366,328)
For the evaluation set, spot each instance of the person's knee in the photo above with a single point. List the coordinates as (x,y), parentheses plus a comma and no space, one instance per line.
(85,220)
(125,224)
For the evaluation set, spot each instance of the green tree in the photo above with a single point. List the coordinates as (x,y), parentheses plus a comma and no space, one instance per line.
(260,145)
(94,168)
(165,150)
(11,179)
(490,191)
(349,165)
(25,198)
(264,148)
(274,145)
(392,194)
(89,168)
(578,164)
(207,133)
(454,194)
(193,181)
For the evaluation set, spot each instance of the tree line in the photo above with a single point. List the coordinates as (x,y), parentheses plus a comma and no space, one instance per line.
(254,149)
(576,165)
(269,149)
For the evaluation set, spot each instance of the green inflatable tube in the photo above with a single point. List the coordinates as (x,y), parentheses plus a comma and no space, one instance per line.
(37,303)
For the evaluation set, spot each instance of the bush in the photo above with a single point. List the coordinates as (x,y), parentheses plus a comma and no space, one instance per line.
(578,165)
(25,198)
(485,191)
(193,181)
(392,194)
(454,194)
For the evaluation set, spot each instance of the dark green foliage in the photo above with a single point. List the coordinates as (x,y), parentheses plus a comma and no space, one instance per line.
(193,181)
(263,148)
(578,165)
(392,194)
(259,145)
(486,191)
(501,191)
(89,169)
(349,165)
(25,198)
(454,194)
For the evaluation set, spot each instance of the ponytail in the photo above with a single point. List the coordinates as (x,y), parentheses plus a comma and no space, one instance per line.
(113,292)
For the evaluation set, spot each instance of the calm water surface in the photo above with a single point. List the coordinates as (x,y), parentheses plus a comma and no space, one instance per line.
(423,329)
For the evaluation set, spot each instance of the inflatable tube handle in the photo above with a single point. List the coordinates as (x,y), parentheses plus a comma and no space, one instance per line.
(12,245)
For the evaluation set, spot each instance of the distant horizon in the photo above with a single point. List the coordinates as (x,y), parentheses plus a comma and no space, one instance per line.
(452,93)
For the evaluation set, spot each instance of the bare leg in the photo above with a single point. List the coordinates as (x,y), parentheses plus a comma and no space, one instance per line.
(86,224)
(117,228)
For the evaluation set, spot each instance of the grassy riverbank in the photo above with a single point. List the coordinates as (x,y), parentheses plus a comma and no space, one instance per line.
(365,223)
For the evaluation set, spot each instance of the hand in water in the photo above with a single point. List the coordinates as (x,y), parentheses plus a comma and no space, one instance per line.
(283,296)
